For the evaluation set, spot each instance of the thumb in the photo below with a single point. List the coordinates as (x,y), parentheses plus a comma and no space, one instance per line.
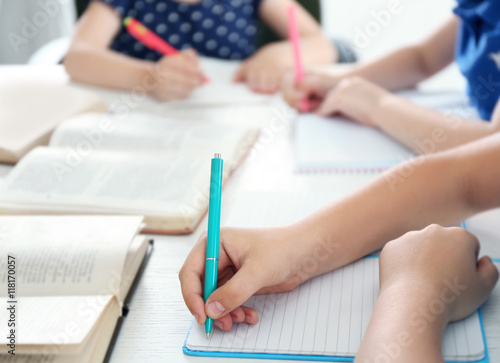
(488,272)
(233,293)
(327,107)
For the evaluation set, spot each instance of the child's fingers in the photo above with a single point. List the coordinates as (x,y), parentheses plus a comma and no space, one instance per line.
(240,75)
(242,314)
(488,273)
(290,91)
(191,55)
(328,106)
(235,292)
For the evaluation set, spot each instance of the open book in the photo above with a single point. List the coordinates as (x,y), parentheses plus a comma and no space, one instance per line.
(324,318)
(69,281)
(33,102)
(140,165)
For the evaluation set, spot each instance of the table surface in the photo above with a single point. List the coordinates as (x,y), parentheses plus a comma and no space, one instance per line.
(157,324)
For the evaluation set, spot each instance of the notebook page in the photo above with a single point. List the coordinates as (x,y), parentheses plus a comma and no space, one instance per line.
(293,323)
(337,144)
(327,315)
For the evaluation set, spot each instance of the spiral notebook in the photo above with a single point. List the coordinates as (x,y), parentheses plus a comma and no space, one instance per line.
(335,144)
(338,145)
(325,318)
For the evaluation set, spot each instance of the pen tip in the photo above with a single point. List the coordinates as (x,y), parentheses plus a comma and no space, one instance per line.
(127,20)
(208,335)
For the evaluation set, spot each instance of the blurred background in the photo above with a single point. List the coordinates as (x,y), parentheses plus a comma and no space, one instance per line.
(26,26)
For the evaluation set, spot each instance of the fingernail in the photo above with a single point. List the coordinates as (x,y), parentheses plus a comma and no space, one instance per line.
(218,324)
(197,318)
(215,309)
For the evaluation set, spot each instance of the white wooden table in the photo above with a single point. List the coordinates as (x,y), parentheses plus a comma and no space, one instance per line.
(157,324)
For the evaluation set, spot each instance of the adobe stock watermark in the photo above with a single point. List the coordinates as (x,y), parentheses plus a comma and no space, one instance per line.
(380,20)
(31,26)
(281,118)
(419,322)
(91,139)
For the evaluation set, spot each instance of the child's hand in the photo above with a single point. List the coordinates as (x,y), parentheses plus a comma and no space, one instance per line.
(355,98)
(263,72)
(176,76)
(313,87)
(439,264)
(427,279)
(250,261)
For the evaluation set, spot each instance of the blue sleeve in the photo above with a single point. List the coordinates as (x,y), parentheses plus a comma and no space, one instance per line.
(120,6)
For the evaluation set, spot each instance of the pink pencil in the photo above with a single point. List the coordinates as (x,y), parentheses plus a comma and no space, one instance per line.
(293,34)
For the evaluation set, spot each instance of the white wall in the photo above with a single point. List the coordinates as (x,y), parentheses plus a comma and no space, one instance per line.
(414,20)
(26,25)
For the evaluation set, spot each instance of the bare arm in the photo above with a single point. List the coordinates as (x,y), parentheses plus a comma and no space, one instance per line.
(443,188)
(410,65)
(89,60)
(400,69)
(315,47)
(264,70)
(427,131)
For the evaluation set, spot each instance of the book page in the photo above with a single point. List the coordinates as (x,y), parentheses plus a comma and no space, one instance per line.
(33,102)
(82,335)
(155,184)
(57,320)
(135,256)
(152,133)
(326,316)
(66,255)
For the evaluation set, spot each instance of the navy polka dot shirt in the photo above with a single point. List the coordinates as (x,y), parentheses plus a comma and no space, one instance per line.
(215,28)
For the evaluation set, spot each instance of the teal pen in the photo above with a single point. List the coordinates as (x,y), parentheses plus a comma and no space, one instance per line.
(212,254)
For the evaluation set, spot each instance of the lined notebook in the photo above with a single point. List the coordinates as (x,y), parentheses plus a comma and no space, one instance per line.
(335,144)
(324,318)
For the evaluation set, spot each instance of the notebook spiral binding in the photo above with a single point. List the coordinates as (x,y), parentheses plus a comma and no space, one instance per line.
(340,170)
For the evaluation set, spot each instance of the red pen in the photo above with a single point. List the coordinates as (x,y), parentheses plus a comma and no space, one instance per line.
(150,39)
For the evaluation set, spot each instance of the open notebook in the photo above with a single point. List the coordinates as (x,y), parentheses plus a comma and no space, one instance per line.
(335,144)
(324,318)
